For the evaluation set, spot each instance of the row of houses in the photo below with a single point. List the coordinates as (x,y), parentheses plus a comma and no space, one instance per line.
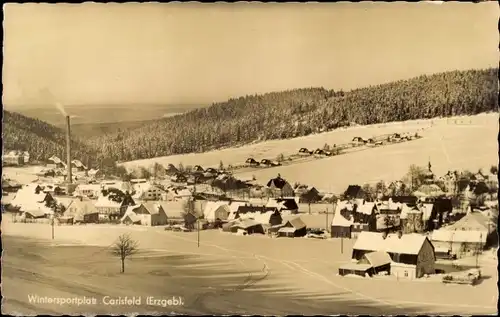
(388,214)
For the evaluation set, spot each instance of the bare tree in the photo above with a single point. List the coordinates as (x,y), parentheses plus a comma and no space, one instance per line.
(124,247)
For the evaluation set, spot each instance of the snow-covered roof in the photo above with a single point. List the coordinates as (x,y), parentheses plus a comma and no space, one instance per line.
(105,202)
(472,221)
(92,171)
(408,210)
(366,208)
(343,204)
(296,222)
(426,211)
(374,241)
(339,221)
(287,230)
(212,206)
(378,258)
(445,235)
(27,195)
(246,223)
(234,205)
(78,163)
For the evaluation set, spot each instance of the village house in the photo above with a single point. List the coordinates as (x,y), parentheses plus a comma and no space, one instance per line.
(10,186)
(78,166)
(293,227)
(247,226)
(266,216)
(311,195)
(179,178)
(365,213)
(357,141)
(82,210)
(112,204)
(284,205)
(279,187)
(458,243)
(370,264)
(56,163)
(346,208)
(341,227)
(95,173)
(87,190)
(13,158)
(411,219)
(412,255)
(30,197)
(146,214)
(216,210)
(388,216)
(146,191)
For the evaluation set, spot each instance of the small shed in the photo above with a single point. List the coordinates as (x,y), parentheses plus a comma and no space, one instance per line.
(293,227)
(355,269)
(379,261)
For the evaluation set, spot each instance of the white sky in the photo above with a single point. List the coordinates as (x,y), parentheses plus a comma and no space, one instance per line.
(200,53)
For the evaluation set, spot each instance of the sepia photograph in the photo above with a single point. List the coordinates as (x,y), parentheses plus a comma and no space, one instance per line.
(250,158)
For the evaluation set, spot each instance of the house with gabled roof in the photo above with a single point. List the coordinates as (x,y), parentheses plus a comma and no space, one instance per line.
(112,204)
(412,255)
(279,187)
(293,227)
(216,210)
(284,205)
(82,210)
(146,214)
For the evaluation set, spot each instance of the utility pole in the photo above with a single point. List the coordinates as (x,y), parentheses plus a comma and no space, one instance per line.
(52,225)
(478,248)
(326,213)
(198,232)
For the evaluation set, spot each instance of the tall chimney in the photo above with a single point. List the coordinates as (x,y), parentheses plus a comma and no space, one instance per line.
(68,151)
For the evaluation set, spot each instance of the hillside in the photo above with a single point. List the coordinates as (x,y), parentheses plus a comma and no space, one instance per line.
(301,112)
(41,139)
(455,143)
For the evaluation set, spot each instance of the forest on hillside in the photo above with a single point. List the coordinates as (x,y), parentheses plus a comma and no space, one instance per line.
(301,112)
(278,115)
(41,139)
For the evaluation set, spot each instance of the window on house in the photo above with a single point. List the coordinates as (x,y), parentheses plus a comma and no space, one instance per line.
(406,273)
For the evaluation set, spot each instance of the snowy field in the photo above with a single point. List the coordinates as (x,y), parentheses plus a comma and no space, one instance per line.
(289,275)
(451,143)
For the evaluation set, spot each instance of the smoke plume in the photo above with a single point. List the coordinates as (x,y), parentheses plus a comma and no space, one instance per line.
(47,96)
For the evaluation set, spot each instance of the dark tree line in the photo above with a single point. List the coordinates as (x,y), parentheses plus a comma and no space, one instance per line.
(41,139)
(301,112)
(278,115)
